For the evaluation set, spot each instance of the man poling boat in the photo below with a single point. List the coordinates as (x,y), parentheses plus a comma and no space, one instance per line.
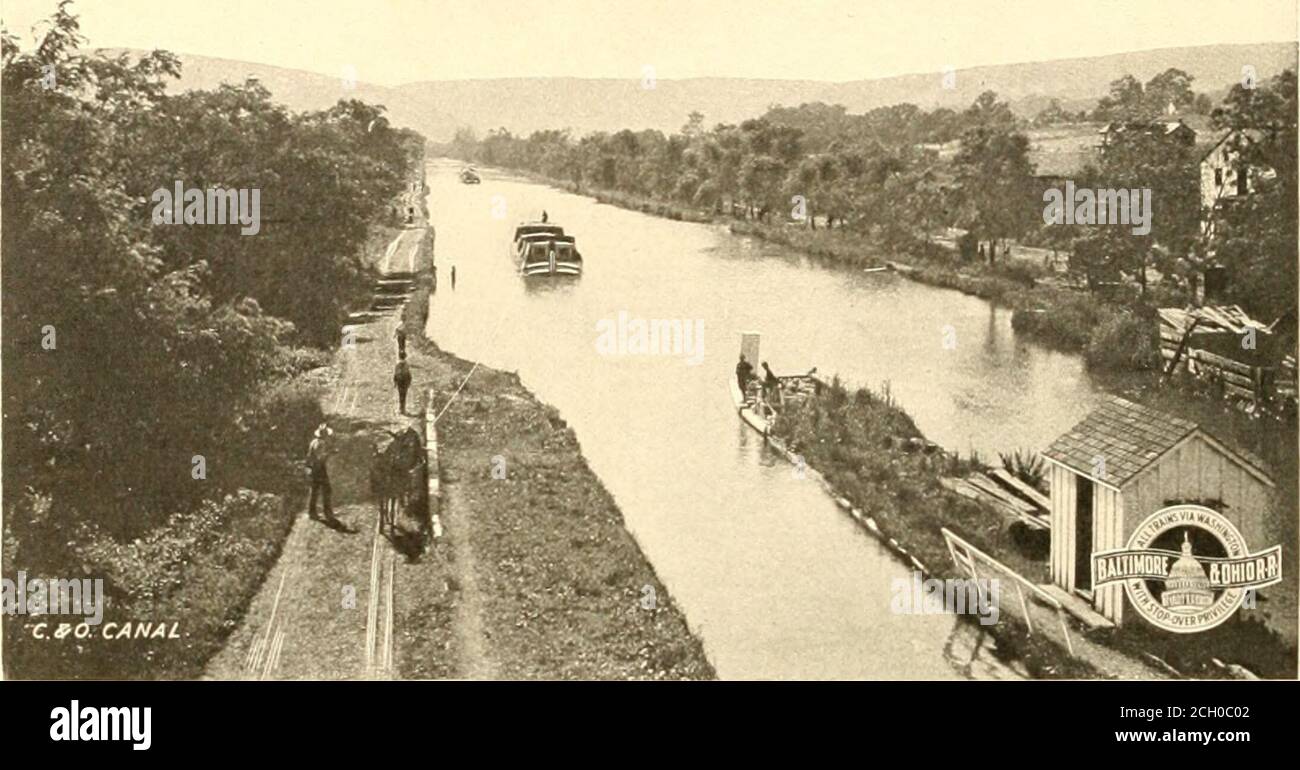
(760,401)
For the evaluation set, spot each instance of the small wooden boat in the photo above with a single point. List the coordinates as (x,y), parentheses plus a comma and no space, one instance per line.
(757,415)
(469,175)
(752,404)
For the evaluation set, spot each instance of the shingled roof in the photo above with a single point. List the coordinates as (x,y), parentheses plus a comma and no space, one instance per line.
(1130,437)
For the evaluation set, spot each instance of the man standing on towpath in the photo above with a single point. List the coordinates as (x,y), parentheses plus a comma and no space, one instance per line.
(318,451)
(402,379)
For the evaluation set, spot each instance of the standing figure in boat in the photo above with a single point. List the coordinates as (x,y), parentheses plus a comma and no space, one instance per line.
(744,373)
(771,387)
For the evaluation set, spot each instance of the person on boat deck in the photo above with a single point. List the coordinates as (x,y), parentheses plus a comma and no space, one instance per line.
(544,217)
(771,386)
(744,373)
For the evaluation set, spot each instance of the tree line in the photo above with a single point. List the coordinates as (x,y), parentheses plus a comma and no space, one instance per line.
(898,175)
(129,346)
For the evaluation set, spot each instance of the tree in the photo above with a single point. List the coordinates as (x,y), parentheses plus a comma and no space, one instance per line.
(1171,87)
(1136,161)
(993,190)
(1129,100)
(1256,237)
(1052,114)
(989,113)
(1125,101)
(158,336)
(761,179)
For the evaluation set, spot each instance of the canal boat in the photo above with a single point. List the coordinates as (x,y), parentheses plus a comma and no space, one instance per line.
(469,176)
(759,409)
(541,248)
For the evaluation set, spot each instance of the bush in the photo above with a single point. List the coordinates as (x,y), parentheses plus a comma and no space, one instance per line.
(148,570)
(1026,465)
(296,360)
(199,570)
(1020,272)
(1123,340)
(1066,322)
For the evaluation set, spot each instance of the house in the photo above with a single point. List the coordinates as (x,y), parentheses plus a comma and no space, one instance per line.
(1225,177)
(1125,461)
(1061,154)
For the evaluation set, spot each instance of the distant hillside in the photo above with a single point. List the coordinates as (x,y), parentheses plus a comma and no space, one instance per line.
(437,108)
(303,90)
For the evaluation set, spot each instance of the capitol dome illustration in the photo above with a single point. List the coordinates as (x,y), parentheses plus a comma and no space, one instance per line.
(1187,588)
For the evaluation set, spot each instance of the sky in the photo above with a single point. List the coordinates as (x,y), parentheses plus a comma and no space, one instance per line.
(390,42)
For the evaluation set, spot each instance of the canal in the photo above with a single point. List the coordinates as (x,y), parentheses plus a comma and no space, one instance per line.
(776,580)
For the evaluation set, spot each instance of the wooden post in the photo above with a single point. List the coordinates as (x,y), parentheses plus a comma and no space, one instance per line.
(1060,614)
(1025,608)
(434,490)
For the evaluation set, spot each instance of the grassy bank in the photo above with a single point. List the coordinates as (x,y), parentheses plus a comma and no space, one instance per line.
(643,203)
(848,438)
(542,580)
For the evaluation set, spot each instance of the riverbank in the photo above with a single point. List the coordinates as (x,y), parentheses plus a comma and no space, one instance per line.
(852,440)
(539,577)
(1114,337)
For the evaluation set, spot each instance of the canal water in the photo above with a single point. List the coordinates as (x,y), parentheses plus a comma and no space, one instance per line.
(771,574)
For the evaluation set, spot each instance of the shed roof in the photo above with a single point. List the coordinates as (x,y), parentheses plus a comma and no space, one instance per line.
(1212,319)
(1130,437)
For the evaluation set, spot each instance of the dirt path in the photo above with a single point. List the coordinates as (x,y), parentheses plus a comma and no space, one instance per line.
(327,610)
(471,637)
(534,576)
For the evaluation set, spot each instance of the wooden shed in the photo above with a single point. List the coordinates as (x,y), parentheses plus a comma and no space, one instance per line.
(1223,344)
(1125,461)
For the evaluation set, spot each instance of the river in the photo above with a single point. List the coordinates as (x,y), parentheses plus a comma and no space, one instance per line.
(771,574)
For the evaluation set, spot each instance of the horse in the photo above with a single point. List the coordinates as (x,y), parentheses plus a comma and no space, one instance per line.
(396,475)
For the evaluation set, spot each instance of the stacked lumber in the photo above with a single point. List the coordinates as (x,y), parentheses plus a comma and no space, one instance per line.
(1207,342)
(1000,491)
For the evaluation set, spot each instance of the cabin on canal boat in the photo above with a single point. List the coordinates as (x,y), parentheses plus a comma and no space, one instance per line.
(1125,461)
